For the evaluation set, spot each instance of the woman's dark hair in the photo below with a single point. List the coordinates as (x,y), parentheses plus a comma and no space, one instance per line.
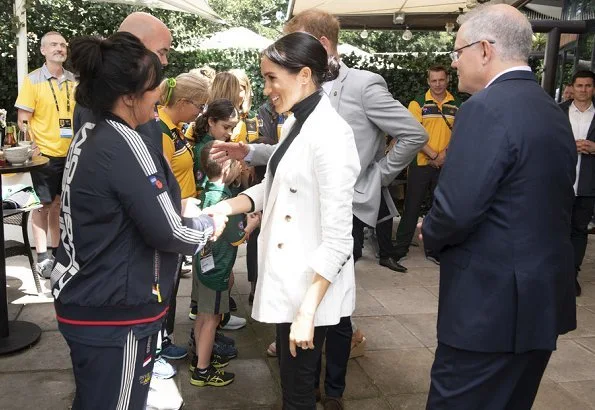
(221,109)
(110,68)
(298,50)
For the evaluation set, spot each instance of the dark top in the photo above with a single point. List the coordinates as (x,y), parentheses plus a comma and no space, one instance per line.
(301,111)
(224,250)
(150,129)
(118,261)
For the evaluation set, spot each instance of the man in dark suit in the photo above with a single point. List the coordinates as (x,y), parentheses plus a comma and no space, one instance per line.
(506,277)
(581,113)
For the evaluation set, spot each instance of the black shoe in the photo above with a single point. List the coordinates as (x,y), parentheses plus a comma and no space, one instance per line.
(433,259)
(216,361)
(233,305)
(392,264)
(579,290)
(212,377)
(226,340)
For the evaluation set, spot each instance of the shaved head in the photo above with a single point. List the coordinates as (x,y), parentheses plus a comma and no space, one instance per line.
(151,31)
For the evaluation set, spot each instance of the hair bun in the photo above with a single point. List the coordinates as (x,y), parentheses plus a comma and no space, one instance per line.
(332,71)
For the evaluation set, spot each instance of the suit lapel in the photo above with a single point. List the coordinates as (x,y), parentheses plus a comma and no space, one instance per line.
(273,183)
(335,94)
(591,131)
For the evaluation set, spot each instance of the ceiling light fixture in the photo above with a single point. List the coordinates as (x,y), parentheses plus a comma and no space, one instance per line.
(398,18)
(407,34)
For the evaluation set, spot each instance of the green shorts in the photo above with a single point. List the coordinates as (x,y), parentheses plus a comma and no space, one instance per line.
(212,301)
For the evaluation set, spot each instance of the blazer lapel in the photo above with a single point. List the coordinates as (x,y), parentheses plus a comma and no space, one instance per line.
(591,131)
(335,94)
(272,188)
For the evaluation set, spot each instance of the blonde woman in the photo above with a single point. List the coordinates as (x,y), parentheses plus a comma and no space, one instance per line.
(225,85)
(181,100)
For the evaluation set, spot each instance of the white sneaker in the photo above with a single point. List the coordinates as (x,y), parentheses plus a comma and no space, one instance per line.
(45,267)
(234,323)
(162,369)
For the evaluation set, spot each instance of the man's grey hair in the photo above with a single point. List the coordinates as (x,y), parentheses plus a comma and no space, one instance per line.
(511,32)
(49,33)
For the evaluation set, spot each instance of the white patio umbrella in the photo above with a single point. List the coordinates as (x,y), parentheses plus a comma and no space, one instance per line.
(348,49)
(236,37)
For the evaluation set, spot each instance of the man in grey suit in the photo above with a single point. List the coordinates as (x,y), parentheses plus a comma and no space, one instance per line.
(363,100)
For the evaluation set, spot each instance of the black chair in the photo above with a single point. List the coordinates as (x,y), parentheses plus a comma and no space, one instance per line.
(15,248)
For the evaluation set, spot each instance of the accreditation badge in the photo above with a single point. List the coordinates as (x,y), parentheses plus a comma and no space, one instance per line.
(65,127)
(207,262)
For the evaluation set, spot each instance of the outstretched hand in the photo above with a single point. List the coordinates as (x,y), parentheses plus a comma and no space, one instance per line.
(222,151)
(220,221)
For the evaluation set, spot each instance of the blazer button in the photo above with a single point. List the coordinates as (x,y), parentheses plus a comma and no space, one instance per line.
(292,190)
(288,218)
(280,245)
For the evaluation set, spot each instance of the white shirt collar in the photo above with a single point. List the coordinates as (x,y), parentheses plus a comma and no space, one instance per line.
(328,86)
(517,68)
(575,108)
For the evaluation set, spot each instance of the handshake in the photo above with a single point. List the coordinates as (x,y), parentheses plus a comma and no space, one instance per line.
(191,209)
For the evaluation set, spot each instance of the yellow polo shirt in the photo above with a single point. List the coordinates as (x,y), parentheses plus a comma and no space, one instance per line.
(180,158)
(427,111)
(36,97)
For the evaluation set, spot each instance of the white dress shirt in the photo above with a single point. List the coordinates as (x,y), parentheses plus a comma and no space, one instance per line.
(580,121)
(508,70)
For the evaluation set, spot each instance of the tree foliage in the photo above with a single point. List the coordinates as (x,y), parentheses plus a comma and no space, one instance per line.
(403,71)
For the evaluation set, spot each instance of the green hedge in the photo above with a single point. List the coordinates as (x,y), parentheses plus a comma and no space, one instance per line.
(405,81)
(404,74)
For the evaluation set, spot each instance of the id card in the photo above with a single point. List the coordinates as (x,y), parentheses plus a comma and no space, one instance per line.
(65,127)
(207,263)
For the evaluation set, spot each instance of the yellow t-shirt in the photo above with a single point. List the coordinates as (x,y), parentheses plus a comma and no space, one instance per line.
(240,133)
(428,114)
(36,97)
(179,156)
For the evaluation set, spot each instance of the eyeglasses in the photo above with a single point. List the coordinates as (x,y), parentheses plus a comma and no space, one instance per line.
(454,55)
(200,107)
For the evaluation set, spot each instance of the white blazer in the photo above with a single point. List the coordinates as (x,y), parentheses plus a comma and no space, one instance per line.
(307,221)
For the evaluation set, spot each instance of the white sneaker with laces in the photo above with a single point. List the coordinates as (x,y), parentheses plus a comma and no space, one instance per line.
(234,323)
(44,268)
(162,369)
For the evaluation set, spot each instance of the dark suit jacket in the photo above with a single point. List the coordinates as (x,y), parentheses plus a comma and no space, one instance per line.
(586,180)
(501,221)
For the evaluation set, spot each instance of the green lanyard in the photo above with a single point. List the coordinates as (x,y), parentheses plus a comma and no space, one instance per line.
(178,134)
(56,99)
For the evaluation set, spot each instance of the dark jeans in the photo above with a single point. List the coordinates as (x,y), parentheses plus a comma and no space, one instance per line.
(338,348)
(419,181)
(582,211)
(252,256)
(298,373)
(462,379)
(383,234)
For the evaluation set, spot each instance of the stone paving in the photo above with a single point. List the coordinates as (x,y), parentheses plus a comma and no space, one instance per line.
(396,311)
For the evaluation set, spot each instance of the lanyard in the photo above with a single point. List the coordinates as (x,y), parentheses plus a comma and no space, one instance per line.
(444,118)
(178,135)
(56,99)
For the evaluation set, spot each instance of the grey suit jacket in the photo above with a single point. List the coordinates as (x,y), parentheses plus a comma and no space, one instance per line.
(363,100)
